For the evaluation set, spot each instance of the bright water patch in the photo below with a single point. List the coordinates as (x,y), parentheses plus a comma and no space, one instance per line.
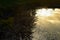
(47,27)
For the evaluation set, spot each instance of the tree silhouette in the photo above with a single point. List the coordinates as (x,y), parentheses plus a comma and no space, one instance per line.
(17,18)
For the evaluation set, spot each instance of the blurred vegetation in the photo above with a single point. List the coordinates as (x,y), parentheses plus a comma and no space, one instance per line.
(16,19)
(6,24)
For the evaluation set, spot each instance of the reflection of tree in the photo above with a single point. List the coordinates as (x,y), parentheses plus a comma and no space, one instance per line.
(6,24)
(24,22)
(18,25)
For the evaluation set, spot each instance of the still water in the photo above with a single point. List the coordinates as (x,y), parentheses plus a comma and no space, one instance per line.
(47,24)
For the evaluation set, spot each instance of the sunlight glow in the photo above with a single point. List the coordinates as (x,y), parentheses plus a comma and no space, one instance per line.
(44,12)
(47,24)
(48,15)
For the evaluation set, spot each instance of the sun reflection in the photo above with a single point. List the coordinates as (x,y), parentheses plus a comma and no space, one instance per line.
(47,21)
(44,12)
(48,14)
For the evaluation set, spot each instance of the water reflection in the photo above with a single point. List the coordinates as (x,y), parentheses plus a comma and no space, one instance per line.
(47,24)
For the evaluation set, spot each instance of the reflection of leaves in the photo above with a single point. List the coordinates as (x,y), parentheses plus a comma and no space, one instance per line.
(8,21)
(23,26)
(5,27)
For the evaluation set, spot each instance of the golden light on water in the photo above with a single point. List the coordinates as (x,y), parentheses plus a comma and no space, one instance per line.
(45,15)
(44,12)
(47,22)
